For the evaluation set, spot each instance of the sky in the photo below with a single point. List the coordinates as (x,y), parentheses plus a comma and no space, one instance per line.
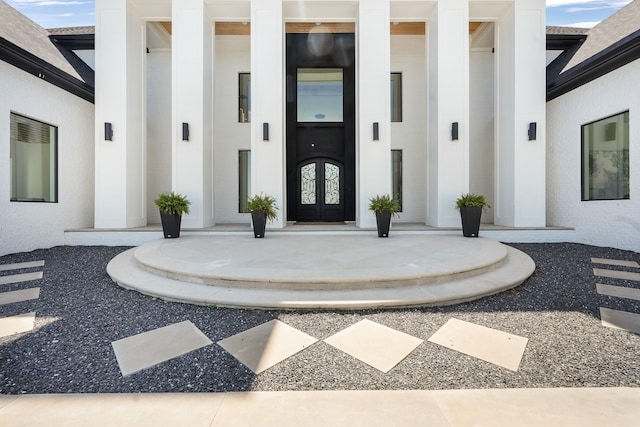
(72,13)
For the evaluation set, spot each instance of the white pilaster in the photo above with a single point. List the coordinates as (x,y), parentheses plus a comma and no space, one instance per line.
(448,103)
(520,163)
(374,156)
(192,76)
(120,164)
(267,103)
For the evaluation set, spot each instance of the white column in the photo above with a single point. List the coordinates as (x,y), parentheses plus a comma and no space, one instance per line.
(448,103)
(267,103)
(373,156)
(520,163)
(120,164)
(192,76)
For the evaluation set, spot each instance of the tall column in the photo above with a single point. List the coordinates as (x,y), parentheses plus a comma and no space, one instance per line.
(373,156)
(267,103)
(520,163)
(448,103)
(120,163)
(192,77)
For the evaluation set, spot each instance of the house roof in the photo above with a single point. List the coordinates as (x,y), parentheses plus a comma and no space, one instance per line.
(606,47)
(26,45)
(556,30)
(72,31)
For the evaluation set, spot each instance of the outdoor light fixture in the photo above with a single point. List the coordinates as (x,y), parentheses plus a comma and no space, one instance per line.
(532,131)
(108,132)
(454,131)
(185,131)
(265,131)
(376,131)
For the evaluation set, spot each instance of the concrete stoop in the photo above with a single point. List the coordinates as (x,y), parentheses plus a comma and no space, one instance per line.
(321,272)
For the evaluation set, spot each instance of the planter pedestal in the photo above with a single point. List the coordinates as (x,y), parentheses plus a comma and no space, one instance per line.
(259,224)
(470,221)
(170,225)
(383,222)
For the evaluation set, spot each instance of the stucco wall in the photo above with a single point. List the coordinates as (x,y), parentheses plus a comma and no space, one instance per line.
(613,223)
(232,56)
(408,57)
(28,226)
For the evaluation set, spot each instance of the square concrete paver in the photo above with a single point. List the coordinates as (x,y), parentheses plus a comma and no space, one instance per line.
(616,274)
(491,345)
(618,262)
(17,265)
(618,291)
(266,345)
(620,320)
(151,348)
(17,324)
(19,296)
(17,278)
(374,344)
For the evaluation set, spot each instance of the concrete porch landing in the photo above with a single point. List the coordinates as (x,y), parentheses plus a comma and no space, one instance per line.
(321,271)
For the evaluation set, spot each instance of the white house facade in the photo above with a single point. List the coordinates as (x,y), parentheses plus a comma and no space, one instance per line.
(342,100)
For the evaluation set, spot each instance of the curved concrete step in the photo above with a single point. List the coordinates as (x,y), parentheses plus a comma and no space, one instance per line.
(319,263)
(515,269)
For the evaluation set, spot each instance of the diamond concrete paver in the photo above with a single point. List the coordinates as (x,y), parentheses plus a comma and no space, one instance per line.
(18,278)
(617,274)
(374,344)
(19,265)
(17,324)
(491,345)
(159,345)
(618,291)
(266,345)
(19,296)
(620,320)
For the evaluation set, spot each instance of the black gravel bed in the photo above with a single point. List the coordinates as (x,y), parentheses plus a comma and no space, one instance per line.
(81,311)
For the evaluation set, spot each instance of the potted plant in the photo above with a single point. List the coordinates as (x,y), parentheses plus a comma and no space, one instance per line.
(172,206)
(384,207)
(263,208)
(471,206)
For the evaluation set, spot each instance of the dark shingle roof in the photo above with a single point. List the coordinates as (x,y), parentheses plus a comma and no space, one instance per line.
(72,31)
(556,30)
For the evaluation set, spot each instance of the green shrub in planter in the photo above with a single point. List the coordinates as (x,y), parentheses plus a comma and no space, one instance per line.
(263,208)
(172,206)
(384,207)
(471,206)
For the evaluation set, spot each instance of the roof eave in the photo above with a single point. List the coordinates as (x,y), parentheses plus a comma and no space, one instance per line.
(31,64)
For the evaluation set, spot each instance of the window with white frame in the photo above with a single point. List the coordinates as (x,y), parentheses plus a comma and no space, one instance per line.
(605,158)
(33,160)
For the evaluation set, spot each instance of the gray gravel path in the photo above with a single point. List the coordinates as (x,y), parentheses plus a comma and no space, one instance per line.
(80,312)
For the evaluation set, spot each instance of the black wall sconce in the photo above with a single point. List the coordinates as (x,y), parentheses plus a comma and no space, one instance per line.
(265,131)
(533,127)
(185,131)
(108,132)
(376,131)
(454,131)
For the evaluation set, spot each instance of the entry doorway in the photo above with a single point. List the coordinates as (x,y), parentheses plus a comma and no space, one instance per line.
(321,126)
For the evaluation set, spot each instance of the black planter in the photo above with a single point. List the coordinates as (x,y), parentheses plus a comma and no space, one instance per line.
(470,221)
(383,222)
(170,225)
(259,223)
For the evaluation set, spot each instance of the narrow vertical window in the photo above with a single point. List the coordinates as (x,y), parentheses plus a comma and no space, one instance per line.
(396,175)
(244,179)
(605,158)
(244,98)
(396,97)
(34,160)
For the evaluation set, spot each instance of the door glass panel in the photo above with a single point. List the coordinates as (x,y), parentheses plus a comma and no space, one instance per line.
(320,93)
(308,184)
(331,184)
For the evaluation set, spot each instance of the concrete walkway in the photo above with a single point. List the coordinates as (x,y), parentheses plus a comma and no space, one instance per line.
(559,407)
